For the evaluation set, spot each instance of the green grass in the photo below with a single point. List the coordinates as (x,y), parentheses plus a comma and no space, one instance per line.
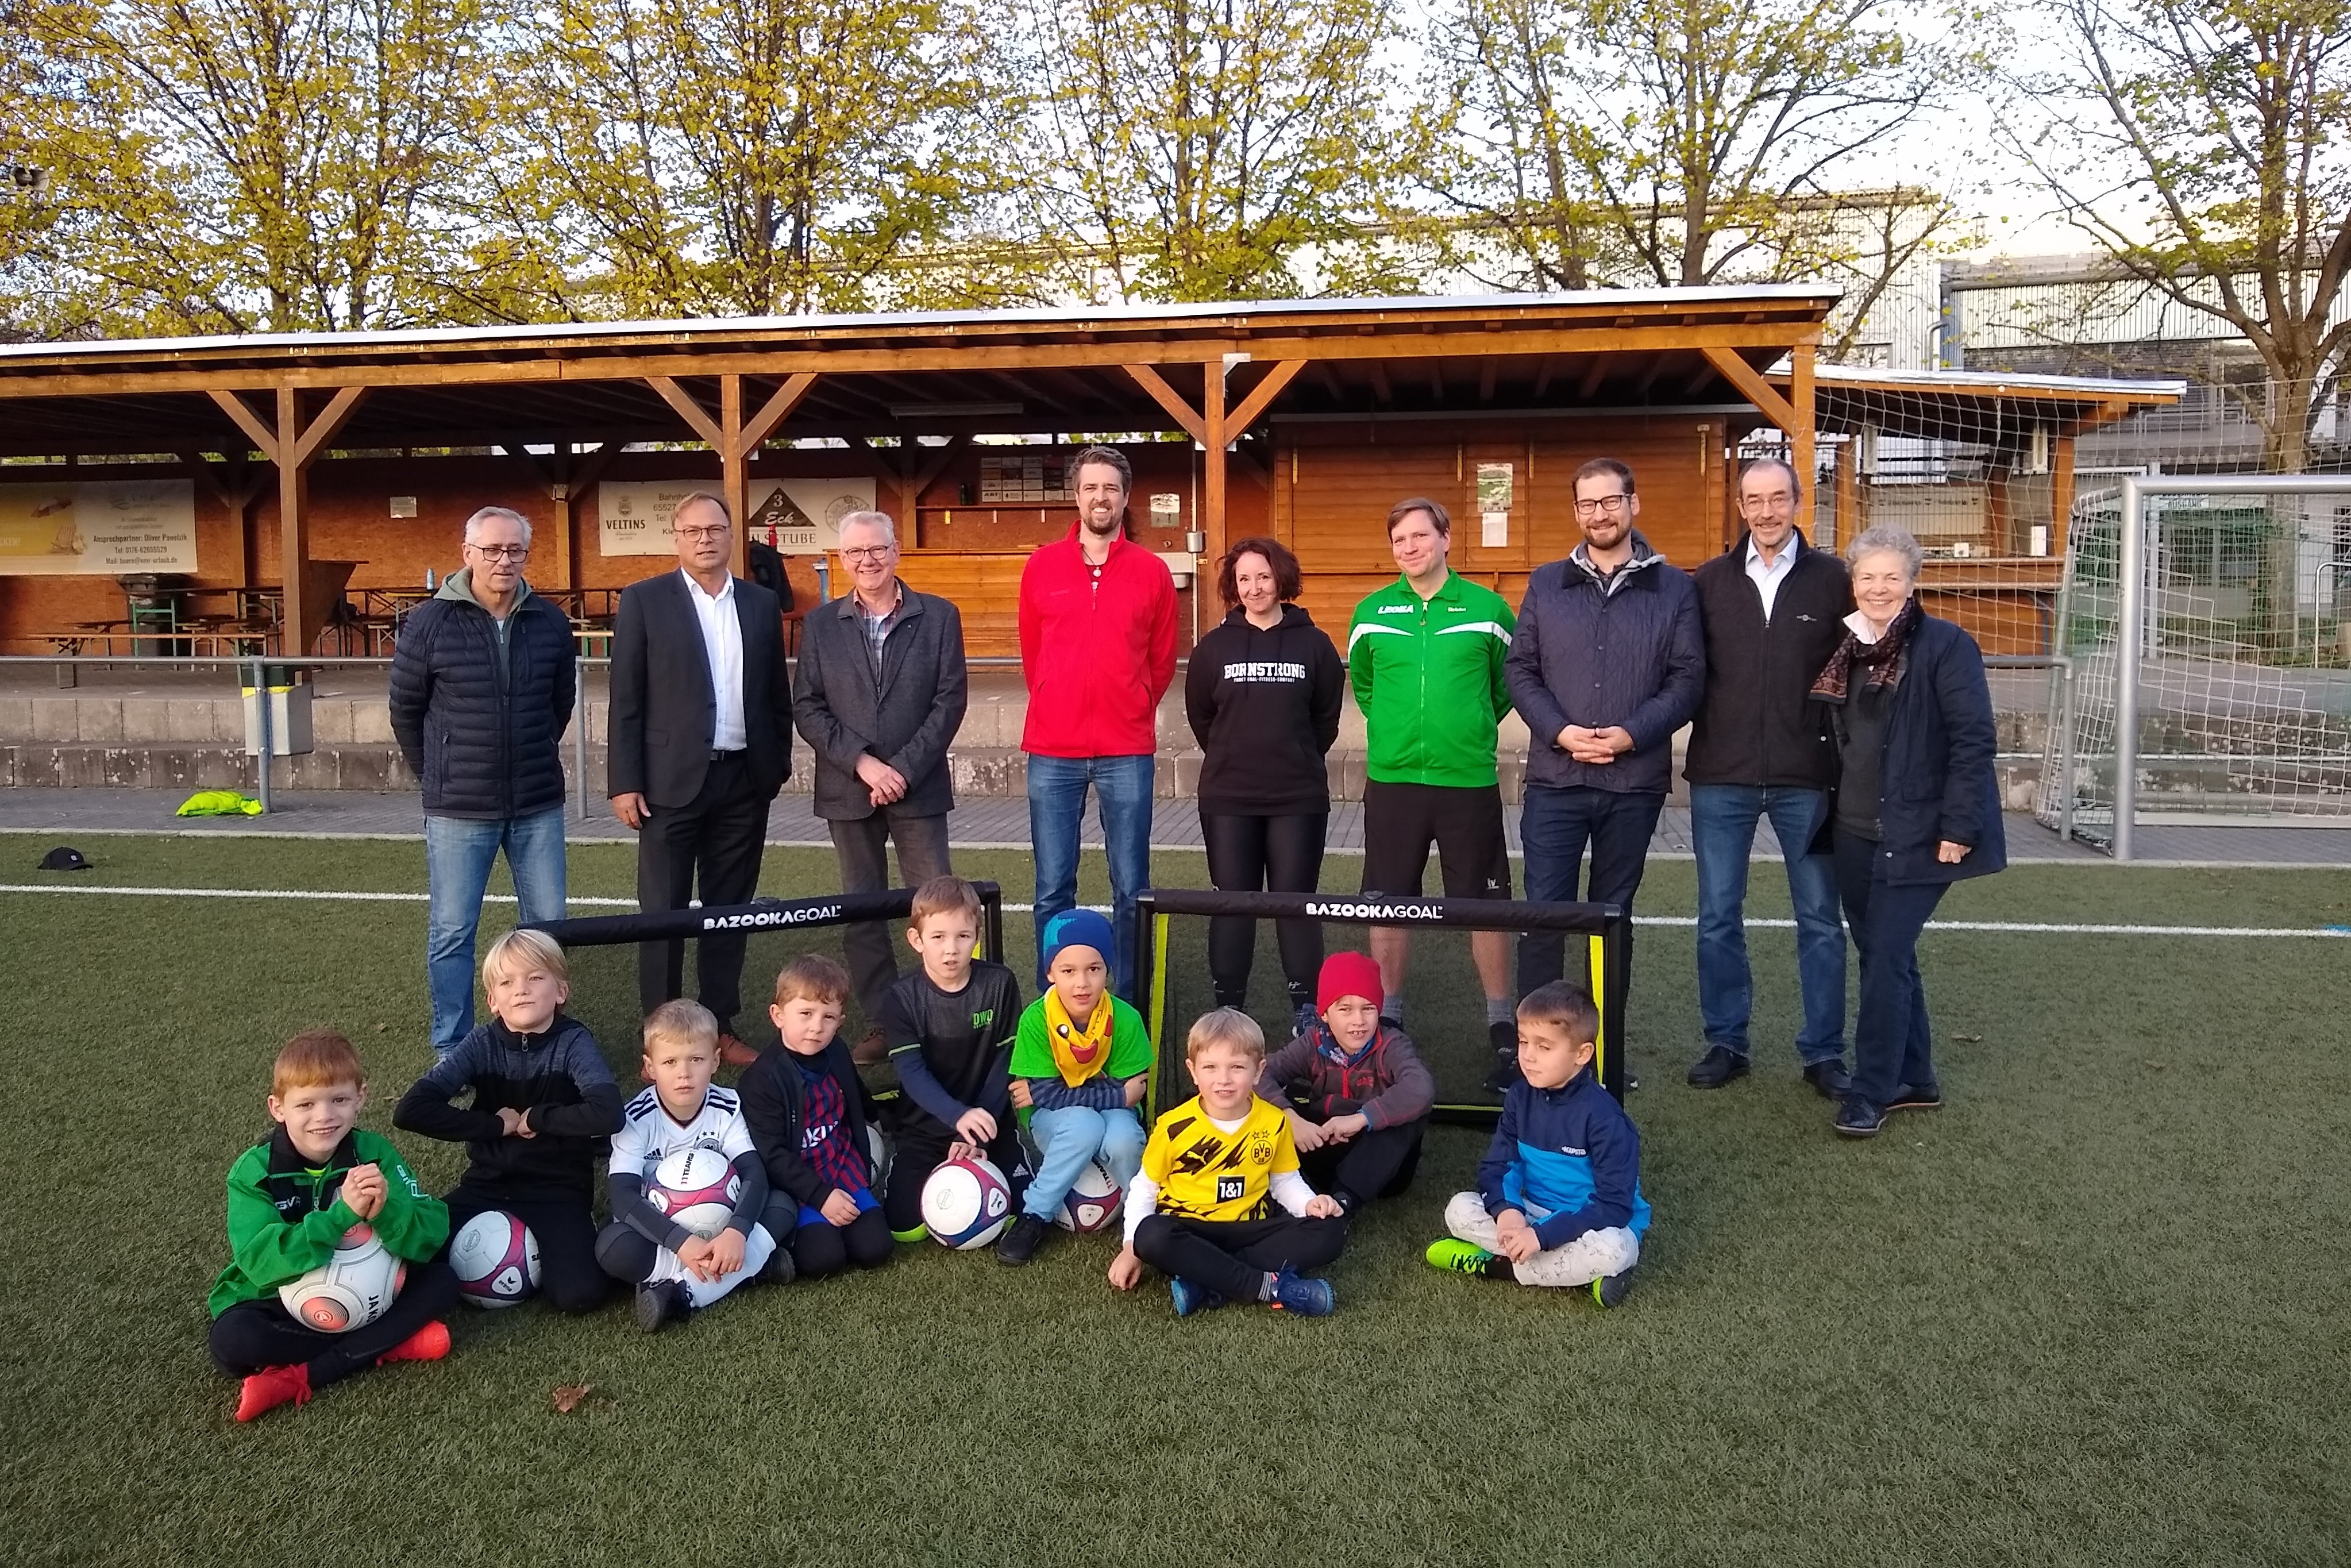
(2092,1313)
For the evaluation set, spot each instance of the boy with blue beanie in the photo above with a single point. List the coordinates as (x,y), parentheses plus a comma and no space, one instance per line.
(1080,1065)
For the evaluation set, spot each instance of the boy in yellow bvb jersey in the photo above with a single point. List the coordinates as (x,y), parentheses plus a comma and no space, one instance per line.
(1220,1207)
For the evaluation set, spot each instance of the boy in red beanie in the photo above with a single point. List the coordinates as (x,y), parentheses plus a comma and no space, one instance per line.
(1357,1093)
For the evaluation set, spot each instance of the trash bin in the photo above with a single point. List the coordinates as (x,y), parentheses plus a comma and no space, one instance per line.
(289,711)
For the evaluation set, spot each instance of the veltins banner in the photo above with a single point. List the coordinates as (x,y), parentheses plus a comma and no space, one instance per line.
(98,526)
(799,517)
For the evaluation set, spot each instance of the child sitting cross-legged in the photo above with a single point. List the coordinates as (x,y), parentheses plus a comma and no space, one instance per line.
(1202,1208)
(1079,1068)
(543,1111)
(678,1272)
(1559,1192)
(1358,1095)
(808,1111)
(292,1198)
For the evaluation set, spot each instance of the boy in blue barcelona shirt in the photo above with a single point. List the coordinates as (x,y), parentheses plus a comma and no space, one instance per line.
(1559,1192)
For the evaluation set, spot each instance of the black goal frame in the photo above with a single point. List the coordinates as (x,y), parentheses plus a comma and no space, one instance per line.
(1606,927)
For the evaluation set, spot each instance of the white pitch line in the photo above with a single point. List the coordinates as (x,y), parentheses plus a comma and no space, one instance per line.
(2016,927)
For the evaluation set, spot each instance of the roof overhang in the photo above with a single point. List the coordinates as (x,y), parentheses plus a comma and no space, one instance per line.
(962,372)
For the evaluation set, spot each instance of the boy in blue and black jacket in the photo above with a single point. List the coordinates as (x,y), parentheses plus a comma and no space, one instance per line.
(543,1106)
(1559,1192)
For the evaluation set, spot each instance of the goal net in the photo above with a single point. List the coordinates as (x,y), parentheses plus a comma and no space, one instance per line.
(2204,656)
(1446,1010)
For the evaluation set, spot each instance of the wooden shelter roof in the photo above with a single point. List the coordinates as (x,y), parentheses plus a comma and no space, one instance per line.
(917,373)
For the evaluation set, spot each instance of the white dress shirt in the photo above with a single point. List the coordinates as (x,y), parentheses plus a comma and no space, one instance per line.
(721,644)
(1767,579)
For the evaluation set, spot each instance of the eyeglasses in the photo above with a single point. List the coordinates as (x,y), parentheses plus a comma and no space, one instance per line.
(1612,505)
(501,552)
(868,552)
(707,531)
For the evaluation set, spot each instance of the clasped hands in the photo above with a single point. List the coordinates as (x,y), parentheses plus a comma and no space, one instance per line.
(1595,746)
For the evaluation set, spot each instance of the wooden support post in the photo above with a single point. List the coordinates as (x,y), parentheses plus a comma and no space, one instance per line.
(1792,414)
(734,467)
(1212,421)
(291,445)
(1801,434)
(2061,494)
(734,438)
(1849,520)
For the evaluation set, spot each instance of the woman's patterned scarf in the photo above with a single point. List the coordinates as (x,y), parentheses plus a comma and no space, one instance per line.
(1882,660)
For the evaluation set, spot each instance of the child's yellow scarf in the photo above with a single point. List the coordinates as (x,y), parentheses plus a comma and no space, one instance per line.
(1079,1052)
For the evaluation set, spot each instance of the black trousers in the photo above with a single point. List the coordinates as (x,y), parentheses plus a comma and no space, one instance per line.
(1232,1256)
(861,846)
(569,1275)
(1271,855)
(710,849)
(251,1335)
(1377,1162)
(922,1148)
(824,1247)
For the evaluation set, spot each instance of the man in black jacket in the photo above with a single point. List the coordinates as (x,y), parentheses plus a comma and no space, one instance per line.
(482,685)
(1606,664)
(881,693)
(701,742)
(1774,611)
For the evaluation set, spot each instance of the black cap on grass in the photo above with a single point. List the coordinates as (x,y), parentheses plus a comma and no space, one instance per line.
(65,857)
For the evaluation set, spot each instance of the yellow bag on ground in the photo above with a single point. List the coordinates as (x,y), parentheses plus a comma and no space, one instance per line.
(218,803)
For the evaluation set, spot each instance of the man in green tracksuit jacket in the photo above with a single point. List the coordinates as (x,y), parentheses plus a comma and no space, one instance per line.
(1425,655)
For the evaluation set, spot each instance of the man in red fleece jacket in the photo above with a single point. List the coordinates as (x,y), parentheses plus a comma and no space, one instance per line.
(1098,649)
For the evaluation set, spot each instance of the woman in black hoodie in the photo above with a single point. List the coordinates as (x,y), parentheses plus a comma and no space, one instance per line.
(1263,694)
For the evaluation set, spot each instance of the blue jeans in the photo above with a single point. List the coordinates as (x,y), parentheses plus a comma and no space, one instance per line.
(1057,801)
(458,855)
(1723,829)
(1555,827)
(1066,1140)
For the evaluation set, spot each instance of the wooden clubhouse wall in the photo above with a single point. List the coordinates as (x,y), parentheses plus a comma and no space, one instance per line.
(1327,495)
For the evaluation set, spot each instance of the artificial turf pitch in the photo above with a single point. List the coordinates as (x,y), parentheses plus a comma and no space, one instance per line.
(2093,1312)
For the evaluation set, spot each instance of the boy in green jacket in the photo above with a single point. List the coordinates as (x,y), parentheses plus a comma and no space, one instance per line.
(1425,657)
(291,1199)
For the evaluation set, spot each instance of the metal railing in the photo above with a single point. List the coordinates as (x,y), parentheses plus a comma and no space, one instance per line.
(253,673)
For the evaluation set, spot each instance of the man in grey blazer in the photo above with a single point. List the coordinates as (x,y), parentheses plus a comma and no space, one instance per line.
(701,742)
(883,689)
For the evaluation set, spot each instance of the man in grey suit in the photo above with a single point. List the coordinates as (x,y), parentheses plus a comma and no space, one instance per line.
(883,689)
(701,742)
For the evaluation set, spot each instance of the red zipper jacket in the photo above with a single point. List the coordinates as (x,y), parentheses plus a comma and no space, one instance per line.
(1098,649)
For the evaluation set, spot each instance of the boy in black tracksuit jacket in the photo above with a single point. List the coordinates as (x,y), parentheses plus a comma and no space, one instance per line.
(1264,704)
(544,1106)
(814,1161)
(1356,1091)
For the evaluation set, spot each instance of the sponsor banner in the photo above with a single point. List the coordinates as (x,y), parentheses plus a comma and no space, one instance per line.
(798,517)
(100,527)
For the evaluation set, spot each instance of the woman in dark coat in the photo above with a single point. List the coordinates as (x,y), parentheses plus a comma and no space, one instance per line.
(1916,808)
(1263,693)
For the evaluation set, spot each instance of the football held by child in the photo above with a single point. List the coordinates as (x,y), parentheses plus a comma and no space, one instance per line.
(543,1110)
(1202,1208)
(948,1028)
(1559,1193)
(1079,1069)
(678,1272)
(808,1111)
(292,1198)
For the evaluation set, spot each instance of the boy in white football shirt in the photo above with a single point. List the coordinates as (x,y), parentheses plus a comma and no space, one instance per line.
(675,1271)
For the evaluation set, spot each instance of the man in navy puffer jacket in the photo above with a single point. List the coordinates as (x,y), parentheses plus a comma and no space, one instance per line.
(482,687)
